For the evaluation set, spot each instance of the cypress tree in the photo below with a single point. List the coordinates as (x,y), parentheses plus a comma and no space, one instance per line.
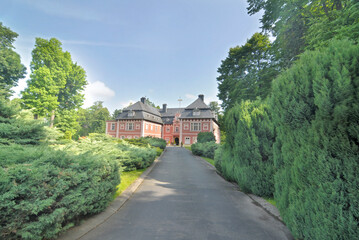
(315,108)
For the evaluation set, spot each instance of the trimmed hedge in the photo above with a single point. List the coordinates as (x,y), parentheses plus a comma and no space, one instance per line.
(44,192)
(316,112)
(247,157)
(203,137)
(204,149)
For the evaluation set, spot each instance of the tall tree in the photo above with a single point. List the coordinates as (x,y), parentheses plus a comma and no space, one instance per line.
(247,72)
(215,107)
(56,83)
(116,113)
(93,119)
(11,69)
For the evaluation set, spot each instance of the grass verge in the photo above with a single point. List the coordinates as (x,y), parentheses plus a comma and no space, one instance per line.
(210,160)
(271,201)
(127,178)
(188,147)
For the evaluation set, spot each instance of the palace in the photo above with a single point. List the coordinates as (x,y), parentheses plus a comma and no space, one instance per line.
(175,125)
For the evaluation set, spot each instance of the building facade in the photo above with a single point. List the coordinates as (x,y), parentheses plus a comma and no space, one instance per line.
(175,125)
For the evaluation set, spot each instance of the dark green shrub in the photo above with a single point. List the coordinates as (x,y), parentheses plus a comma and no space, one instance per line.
(13,130)
(204,149)
(316,113)
(44,192)
(203,137)
(250,137)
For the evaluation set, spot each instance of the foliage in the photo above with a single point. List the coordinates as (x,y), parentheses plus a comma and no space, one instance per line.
(128,156)
(204,137)
(250,137)
(116,113)
(315,108)
(44,192)
(247,72)
(93,119)
(55,84)
(11,69)
(17,130)
(145,141)
(206,149)
(127,178)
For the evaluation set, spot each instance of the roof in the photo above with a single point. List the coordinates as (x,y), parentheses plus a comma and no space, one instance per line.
(139,106)
(204,113)
(169,115)
(141,111)
(198,104)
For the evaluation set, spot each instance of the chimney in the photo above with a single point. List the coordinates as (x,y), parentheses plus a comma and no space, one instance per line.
(164,107)
(201,96)
(143,99)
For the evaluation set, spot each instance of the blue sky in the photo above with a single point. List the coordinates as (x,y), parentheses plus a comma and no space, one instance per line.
(161,49)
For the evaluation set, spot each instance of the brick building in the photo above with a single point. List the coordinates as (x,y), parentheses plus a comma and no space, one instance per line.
(175,125)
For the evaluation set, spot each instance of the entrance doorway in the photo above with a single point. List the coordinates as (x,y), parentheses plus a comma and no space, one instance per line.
(177,141)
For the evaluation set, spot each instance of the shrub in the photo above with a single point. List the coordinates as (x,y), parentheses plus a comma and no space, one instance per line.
(250,138)
(203,137)
(145,141)
(204,149)
(316,110)
(44,192)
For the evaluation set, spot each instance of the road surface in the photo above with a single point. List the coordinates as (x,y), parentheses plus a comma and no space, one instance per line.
(183,198)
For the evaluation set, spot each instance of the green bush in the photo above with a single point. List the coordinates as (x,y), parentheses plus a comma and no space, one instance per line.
(128,156)
(250,137)
(145,141)
(204,137)
(204,149)
(15,130)
(316,110)
(44,192)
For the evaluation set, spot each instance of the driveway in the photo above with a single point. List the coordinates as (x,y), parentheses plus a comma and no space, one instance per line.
(183,198)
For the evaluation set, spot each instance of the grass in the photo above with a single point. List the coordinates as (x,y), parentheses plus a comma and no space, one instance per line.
(188,147)
(271,201)
(127,178)
(210,160)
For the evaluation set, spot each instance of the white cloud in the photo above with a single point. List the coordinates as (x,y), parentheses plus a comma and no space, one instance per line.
(97,91)
(190,96)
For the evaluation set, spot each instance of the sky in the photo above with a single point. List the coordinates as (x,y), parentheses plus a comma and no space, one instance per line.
(160,49)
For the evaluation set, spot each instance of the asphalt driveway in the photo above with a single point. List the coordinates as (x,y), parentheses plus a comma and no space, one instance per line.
(182,198)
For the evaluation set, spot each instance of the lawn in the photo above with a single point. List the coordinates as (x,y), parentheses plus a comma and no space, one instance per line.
(127,178)
(210,160)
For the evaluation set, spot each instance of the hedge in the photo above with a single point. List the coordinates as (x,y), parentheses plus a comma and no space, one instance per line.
(44,192)
(204,149)
(315,108)
(247,157)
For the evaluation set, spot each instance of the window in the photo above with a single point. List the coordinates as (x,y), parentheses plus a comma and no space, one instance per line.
(136,137)
(122,137)
(131,113)
(196,112)
(146,126)
(156,128)
(195,127)
(129,126)
(177,129)
(185,126)
(194,139)
(113,125)
(167,129)
(151,127)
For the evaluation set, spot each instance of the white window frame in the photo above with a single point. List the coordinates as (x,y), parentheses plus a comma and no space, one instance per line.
(195,127)
(146,126)
(187,140)
(129,126)
(151,127)
(113,126)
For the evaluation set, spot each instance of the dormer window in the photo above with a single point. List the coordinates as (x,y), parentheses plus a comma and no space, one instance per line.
(131,113)
(196,112)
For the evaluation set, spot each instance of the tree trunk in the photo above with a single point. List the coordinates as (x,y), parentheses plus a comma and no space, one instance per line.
(52,119)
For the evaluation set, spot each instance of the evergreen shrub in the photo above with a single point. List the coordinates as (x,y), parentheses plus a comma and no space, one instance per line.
(43,192)
(315,108)
(247,154)
(206,149)
(203,137)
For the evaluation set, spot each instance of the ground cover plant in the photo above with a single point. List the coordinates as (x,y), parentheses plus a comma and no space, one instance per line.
(44,192)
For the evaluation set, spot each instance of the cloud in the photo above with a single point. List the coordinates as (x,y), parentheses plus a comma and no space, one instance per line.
(22,84)
(190,96)
(97,91)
